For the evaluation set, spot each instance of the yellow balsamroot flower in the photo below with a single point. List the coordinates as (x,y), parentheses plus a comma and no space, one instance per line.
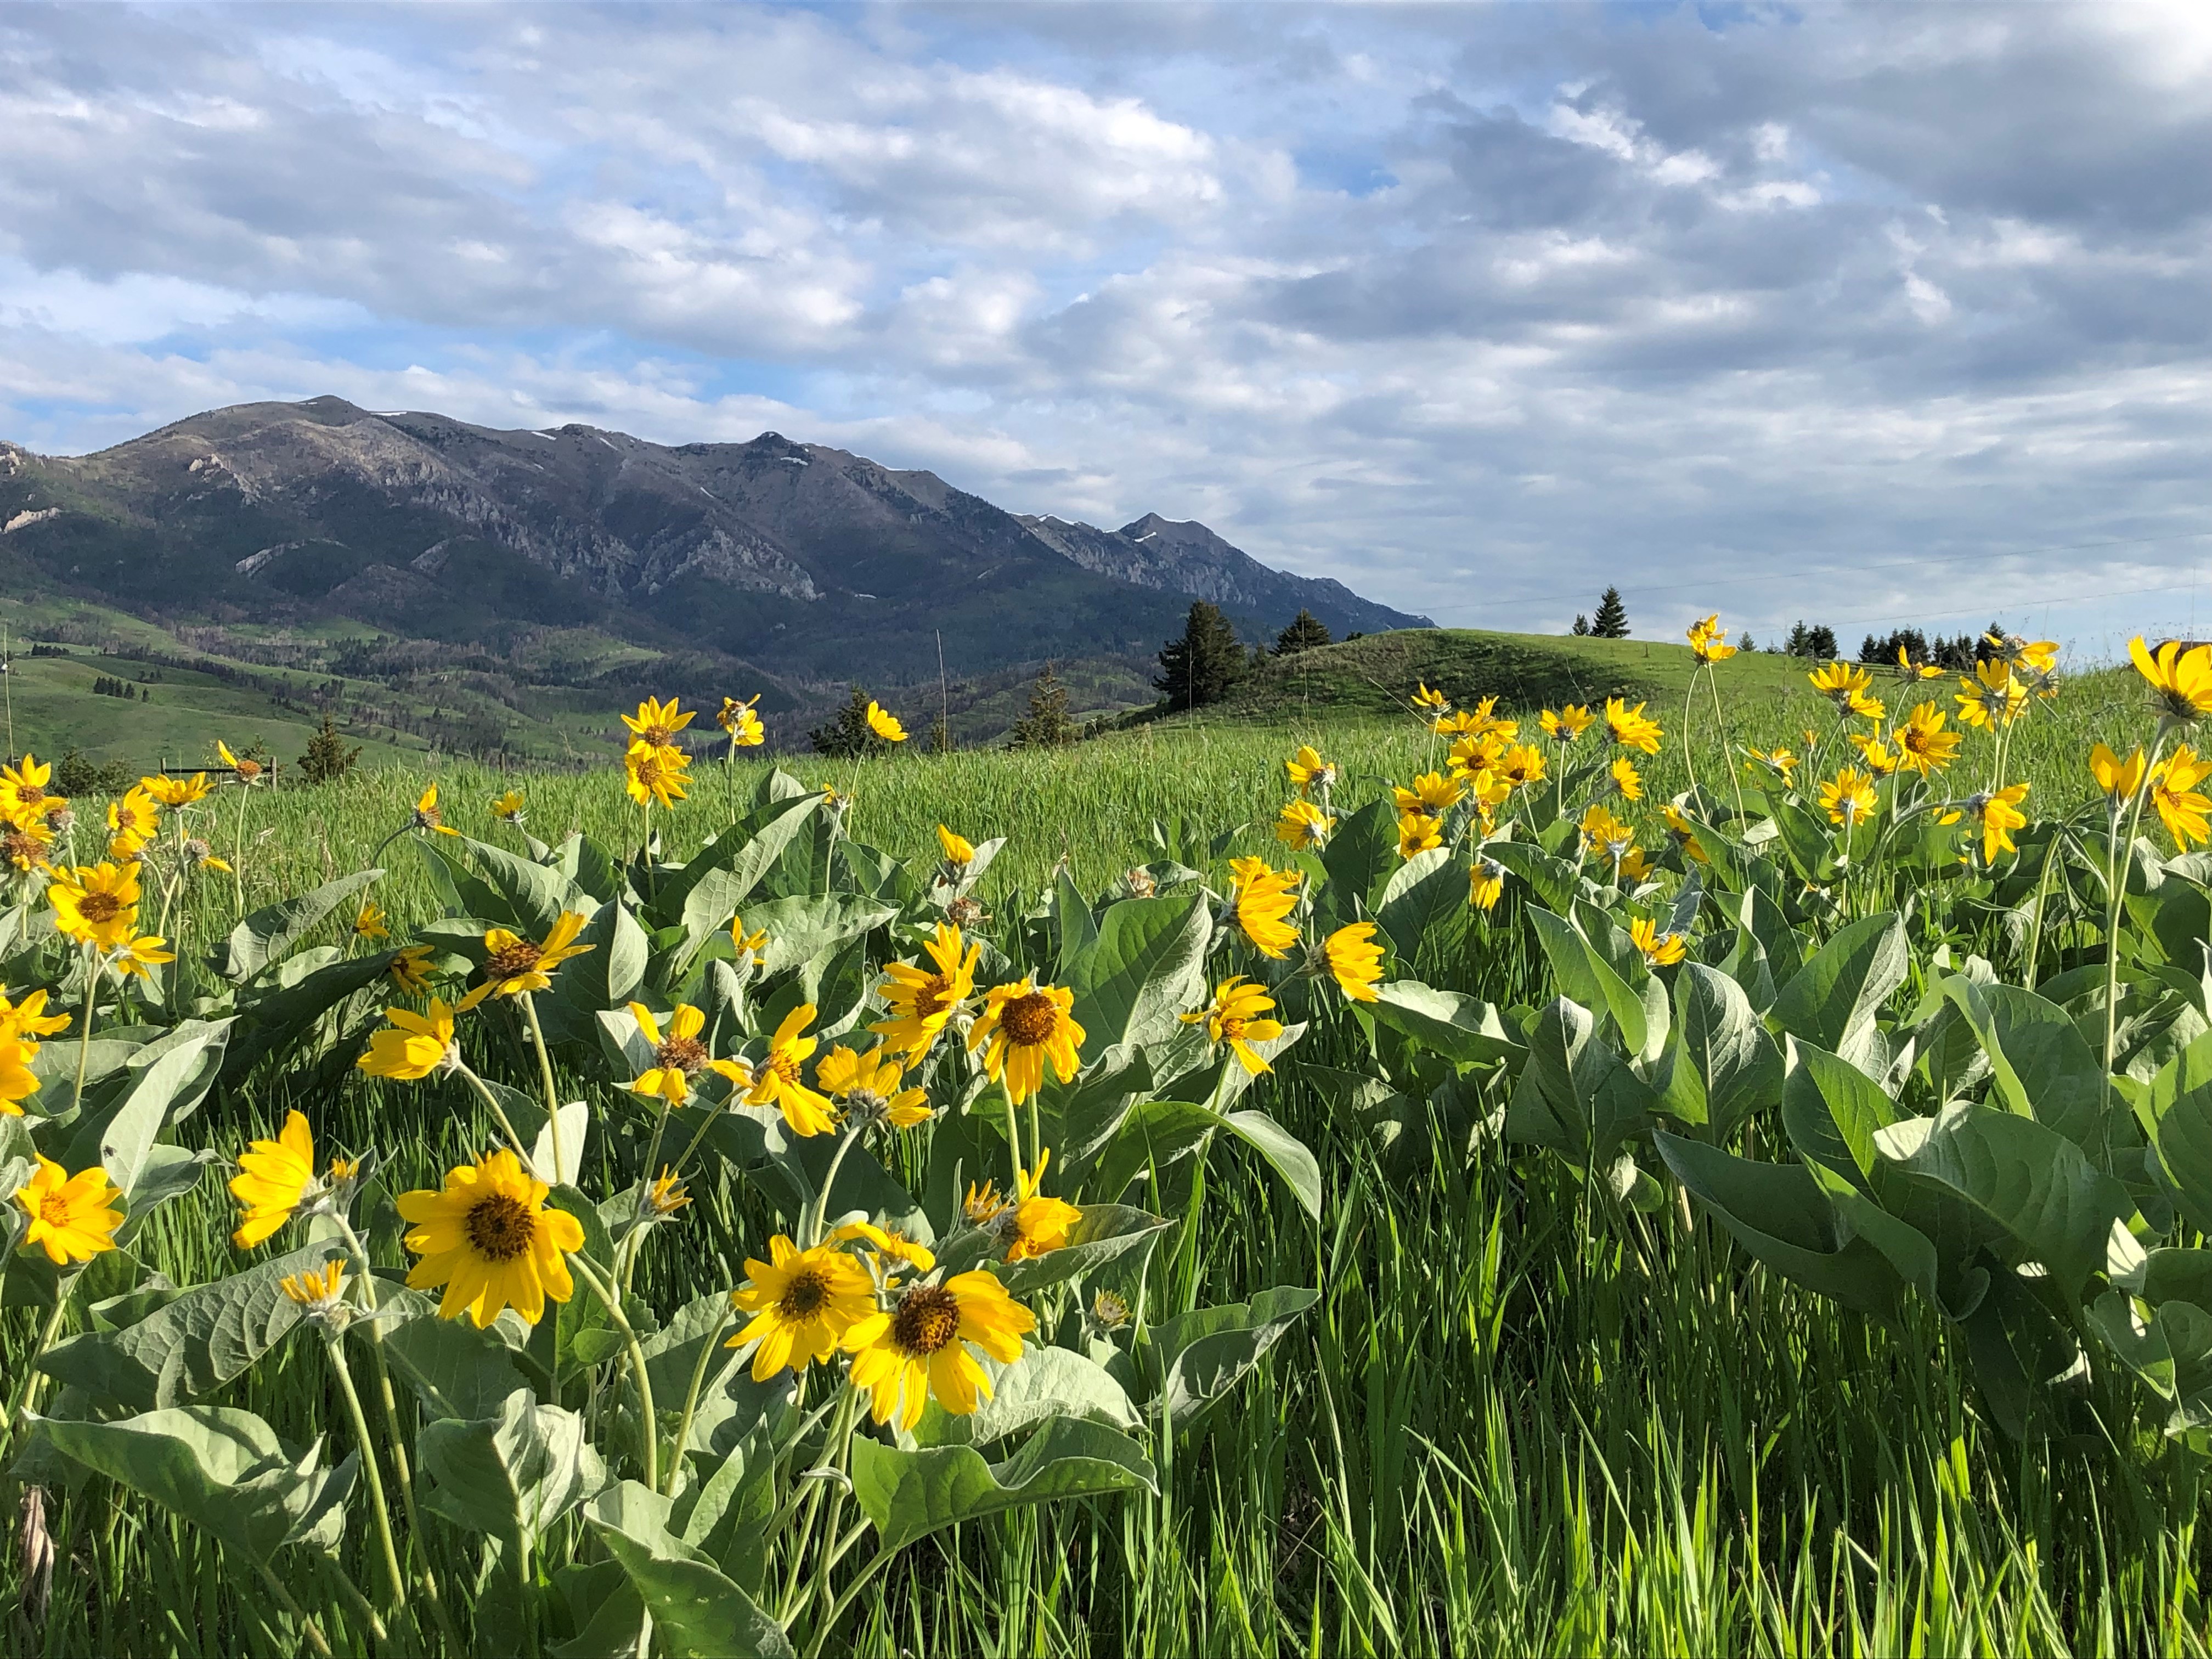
(919,1347)
(677,1058)
(1433,704)
(1485,884)
(1992,698)
(1997,815)
(490,1240)
(24,842)
(2118,778)
(133,956)
(1565,725)
(1780,762)
(369,922)
(1625,781)
(71,1217)
(273,1177)
(132,823)
(803,1304)
(2173,791)
(1477,753)
(2039,655)
(318,1290)
(743,725)
(2182,679)
(1261,899)
(1520,766)
(1026,1026)
(1708,640)
(426,813)
(250,773)
(895,1250)
(921,1001)
(1870,709)
(1237,1016)
(24,797)
(18,1081)
(1907,669)
(29,1016)
(656,723)
(1632,728)
(175,793)
(884,724)
(650,774)
(516,964)
(1351,957)
(1033,1225)
(410,969)
(665,1195)
(508,808)
(1923,744)
(1633,864)
(1308,771)
(1660,950)
(1880,760)
(1432,792)
(1418,833)
(1848,797)
(867,1087)
(1604,833)
(958,849)
(96,904)
(1302,826)
(1842,684)
(1684,833)
(746,943)
(413,1046)
(775,1081)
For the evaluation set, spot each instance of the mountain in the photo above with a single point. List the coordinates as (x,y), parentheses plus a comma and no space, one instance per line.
(799,564)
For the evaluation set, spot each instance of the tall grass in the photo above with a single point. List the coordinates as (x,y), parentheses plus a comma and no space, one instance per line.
(1521,1420)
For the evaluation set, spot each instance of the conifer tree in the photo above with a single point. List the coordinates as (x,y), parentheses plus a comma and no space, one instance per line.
(1200,666)
(1611,621)
(848,734)
(1305,632)
(327,757)
(1048,725)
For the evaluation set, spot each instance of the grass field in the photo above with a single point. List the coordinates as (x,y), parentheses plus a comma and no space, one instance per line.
(1511,1424)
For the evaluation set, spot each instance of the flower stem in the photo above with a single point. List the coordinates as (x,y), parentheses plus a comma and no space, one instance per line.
(850,1594)
(582,1266)
(2115,887)
(506,1124)
(370,1472)
(1689,758)
(820,1218)
(92,975)
(552,1094)
(238,851)
(308,1628)
(691,1398)
(20,1400)
(1720,720)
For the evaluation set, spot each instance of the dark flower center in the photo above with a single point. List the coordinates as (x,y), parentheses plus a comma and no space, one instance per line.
(54,1210)
(29,794)
(928,1319)
(804,1296)
(682,1054)
(100,907)
(19,848)
(1030,1021)
(500,1227)
(516,960)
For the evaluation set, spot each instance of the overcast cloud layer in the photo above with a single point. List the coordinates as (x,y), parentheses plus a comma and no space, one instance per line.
(1856,313)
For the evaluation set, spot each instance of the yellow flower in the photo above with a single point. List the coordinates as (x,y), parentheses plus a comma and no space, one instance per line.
(410,969)
(1880,759)
(743,725)
(1432,704)
(133,956)
(1848,797)
(665,1195)
(803,1303)
(1630,728)
(1235,1017)
(746,943)
(1418,833)
(1659,949)
(1624,779)
(2118,778)
(1431,792)
(413,1046)
(247,772)
(1780,762)
(1633,864)
(1567,724)
(1350,958)
(132,823)
(18,1081)
(867,1084)
(318,1290)
(658,774)
(958,849)
(273,1177)
(174,792)
(919,1347)
(515,964)
(1870,707)
(1909,670)
(2173,791)
(24,842)
(921,1002)
(1992,697)
(1708,640)
(1999,815)
(24,797)
(1034,1225)
(775,1080)
(656,724)
(1477,753)
(96,904)
(1302,826)
(1261,898)
(1685,836)
(896,1250)
(369,923)
(71,1215)
(1026,1026)
(508,808)
(1485,884)
(677,1058)
(490,1240)
(2182,679)
(1520,766)
(1308,771)
(1923,744)
(29,1016)
(426,813)
(1605,834)
(2040,656)
(1476,722)
(884,724)
(1842,684)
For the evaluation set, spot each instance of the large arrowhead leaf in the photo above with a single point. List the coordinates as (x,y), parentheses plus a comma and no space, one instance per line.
(1044,1383)
(1576,1094)
(1201,1355)
(1146,966)
(1460,1028)
(698,1612)
(1423,900)
(741,855)
(910,1494)
(511,1475)
(455,1369)
(1104,1233)
(272,1024)
(1722,1064)
(268,935)
(163,1082)
(2043,1066)
(1840,989)
(1831,1110)
(2180,1110)
(1361,853)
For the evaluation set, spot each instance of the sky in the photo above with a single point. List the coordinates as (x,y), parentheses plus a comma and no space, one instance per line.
(1872,315)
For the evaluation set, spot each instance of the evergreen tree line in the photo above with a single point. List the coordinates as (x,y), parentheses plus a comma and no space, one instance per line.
(107,685)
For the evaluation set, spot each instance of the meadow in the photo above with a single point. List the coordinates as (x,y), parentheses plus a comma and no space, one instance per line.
(1540,1400)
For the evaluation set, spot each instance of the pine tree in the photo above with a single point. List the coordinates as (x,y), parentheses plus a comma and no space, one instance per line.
(848,734)
(327,757)
(1305,632)
(1580,629)
(1200,666)
(1047,726)
(1611,621)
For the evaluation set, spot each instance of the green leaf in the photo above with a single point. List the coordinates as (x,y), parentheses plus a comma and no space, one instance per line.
(1360,854)
(804,930)
(268,935)
(1722,1064)
(742,855)
(222,1469)
(174,1078)
(1576,1094)
(2031,1181)
(1568,957)
(1552,880)
(1459,1028)
(272,1024)
(1832,1111)
(609,974)
(910,1494)
(511,1474)
(697,1611)
(1835,997)
(1201,1355)
(198,1342)
(1077,928)
(455,1369)
(2170,1350)
(1080,1118)
(1044,1383)
(532,896)
(2180,1110)
(1106,1233)
(1426,898)
(1146,966)
(1806,839)
(2043,1066)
